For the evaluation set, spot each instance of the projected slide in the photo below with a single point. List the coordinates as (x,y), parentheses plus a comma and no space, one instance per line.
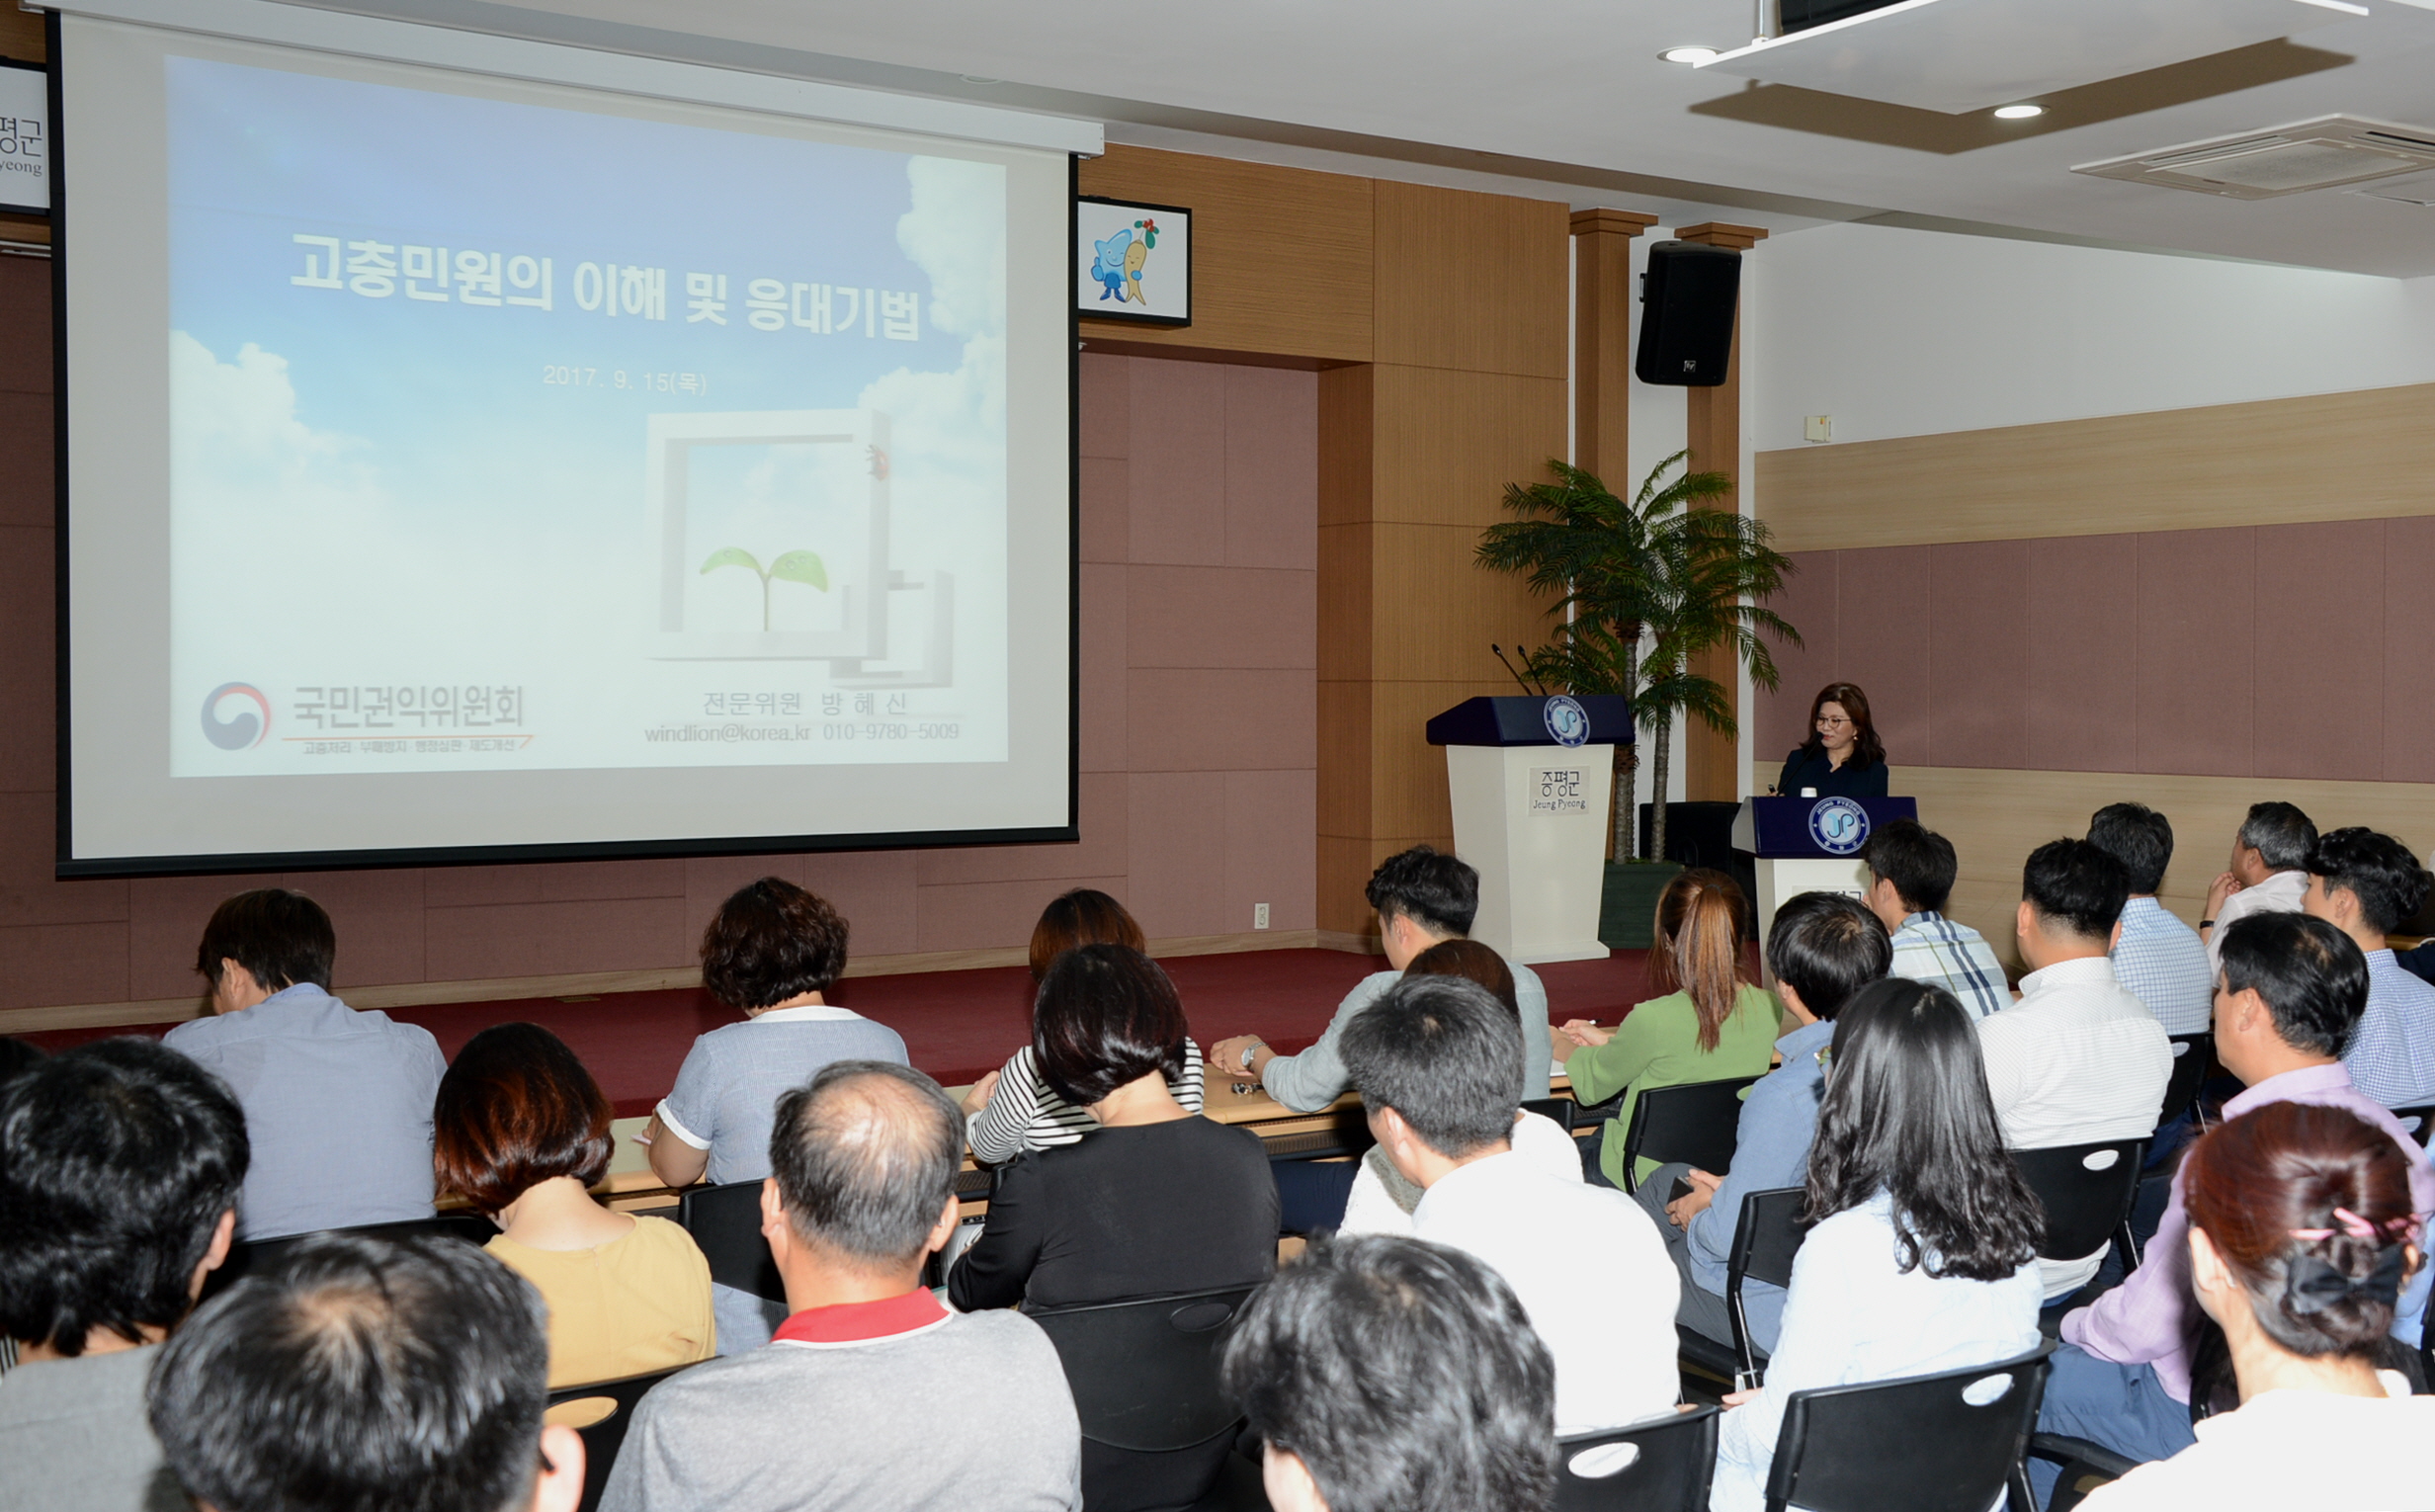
(513,438)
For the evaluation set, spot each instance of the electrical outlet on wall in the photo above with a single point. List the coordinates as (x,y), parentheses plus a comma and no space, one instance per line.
(1818,428)
(1259,916)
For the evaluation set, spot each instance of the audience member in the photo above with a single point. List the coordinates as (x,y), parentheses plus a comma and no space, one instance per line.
(1013,1108)
(2157,958)
(121,1163)
(2268,874)
(1160,1201)
(2079,1058)
(521,1131)
(2290,998)
(337,1100)
(1824,948)
(2302,1233)
(1434,1061)
(1386,1374)
(1383,1197)
(2364,884)
(1922,1252)
(1910,878)
(1712,1025)
(15,1056)
(363,1373)
(1423,897)
(872,1396)
(770,954)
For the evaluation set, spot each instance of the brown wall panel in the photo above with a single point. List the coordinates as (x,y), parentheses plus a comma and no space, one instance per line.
(1978,652)
(1780,719)
(2196,651)
(1472,282)
(2081,713)
(2409,650)
(1882,642)
(2319,694)
(1449,444)
(1451,610)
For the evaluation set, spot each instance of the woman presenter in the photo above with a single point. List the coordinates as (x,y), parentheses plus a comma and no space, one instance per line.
(1842,757)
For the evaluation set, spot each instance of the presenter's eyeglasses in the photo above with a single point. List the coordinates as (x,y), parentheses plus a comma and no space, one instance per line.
(1833,721)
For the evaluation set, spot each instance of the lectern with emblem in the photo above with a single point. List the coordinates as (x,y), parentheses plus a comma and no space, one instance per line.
(1811,844)
(1531,779)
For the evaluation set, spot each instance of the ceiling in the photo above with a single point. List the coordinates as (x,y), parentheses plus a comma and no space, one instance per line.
(1567,98)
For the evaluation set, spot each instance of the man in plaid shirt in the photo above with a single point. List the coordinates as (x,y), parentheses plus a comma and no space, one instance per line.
(1910,876)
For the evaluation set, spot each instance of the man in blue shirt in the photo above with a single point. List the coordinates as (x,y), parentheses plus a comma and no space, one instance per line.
(337,1102)
(2158,957)
(1824,948)
(1910,876)
(2364,884)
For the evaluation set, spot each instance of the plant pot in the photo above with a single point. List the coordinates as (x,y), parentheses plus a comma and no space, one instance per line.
(1627,907)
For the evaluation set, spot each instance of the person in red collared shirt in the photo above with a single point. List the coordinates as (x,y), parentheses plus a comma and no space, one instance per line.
(872,1396)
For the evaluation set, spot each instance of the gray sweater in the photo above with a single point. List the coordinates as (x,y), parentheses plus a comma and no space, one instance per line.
(971,1414)
(1311,1080)
(73,1437)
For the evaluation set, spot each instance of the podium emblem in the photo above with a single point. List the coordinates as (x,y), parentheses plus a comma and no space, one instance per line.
(1568,723)
(1838,825)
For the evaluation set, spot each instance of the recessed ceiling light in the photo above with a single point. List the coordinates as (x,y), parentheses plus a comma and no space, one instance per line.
(2018,111)
(1694,56)
(974,78)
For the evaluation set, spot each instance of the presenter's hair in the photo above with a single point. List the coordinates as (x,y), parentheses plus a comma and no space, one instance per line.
(2078,884)
(1428,886)
(1866,749)
(2377,870)
(865,1156)
(1919,861)
(2138,837)
(404,1375)
(282,937)
(770,942)
(117,1160)
(1907,1113)
(2269,1188)
(2281,835)
(1444,1054)
(1700,919)
(1084,916)
(2311,977)
(1404,1375)
(1106,1015)
(1826,946)
(1474,960)
(516,1109)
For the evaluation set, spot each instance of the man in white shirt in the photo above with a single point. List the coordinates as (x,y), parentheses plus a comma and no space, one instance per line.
(2079,1058)
(2269,872)
(1434,1061)
(2364,884)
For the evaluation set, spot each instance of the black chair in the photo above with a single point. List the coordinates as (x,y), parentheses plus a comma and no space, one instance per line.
(2194,1061)
(2418,1121)
(1941,1443)
(1665,1464)
(603,1438)
(1767,1234)
(725,1222)
(1145,1381)
(1697,1124)
(1559,1109)
(2081,1460)
(262,1256)
(2087,1190)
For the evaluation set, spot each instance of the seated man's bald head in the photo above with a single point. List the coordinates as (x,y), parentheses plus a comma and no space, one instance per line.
(865,1158)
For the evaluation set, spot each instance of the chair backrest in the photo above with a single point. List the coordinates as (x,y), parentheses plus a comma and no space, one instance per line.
(2194,1057)
(1767,1234)
(1559,1109)
(1661,1466)
(1697,1124)
(263,1255)
(1144,1374)
(1951,1442)
(2417,1121)
(725,1222)
(602,1436)
(2087,1190)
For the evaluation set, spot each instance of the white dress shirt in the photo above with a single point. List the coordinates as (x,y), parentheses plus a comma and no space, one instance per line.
(1590,1270)
(2285,1450)
(1376,1204)
(2075,1060)
(2278,894)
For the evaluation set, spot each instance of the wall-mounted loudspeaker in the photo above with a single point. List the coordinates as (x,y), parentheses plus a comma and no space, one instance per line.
(1687,313)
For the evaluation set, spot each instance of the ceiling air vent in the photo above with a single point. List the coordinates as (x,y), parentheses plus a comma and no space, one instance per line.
(2323,153)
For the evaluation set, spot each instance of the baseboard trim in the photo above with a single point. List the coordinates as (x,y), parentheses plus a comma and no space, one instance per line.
(416,994)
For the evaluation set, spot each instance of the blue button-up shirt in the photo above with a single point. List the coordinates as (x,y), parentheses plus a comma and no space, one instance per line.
(1778,1118)
(2392,1055)
(1933,949)
(2163,962)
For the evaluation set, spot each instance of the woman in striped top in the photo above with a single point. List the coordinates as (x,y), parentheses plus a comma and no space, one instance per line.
(1013,1108)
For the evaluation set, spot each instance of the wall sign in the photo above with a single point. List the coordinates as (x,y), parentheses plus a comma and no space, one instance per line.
(1134,261)
(25,137)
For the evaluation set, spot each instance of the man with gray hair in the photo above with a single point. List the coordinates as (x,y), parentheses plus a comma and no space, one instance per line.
(872,1396)
(2268,875)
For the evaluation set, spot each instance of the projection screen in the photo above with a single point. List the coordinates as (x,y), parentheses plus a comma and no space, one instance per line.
(460,462)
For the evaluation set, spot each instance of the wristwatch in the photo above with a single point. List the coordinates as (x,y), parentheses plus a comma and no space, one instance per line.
(1250,1051)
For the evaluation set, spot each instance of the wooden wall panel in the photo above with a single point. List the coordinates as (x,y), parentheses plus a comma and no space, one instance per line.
(2365,455)
(1443,610)
(1472,282)
(1281,259)
(1450,442)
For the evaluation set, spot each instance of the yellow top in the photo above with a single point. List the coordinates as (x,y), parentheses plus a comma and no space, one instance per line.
(631,1306)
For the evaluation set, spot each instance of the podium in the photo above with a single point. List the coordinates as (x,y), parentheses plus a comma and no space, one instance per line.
(1530,778)
(1811,845)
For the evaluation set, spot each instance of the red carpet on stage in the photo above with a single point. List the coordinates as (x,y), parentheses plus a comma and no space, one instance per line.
(958,1025)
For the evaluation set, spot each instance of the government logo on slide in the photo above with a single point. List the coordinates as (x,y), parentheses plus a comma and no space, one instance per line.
(243,730)
(1840,826)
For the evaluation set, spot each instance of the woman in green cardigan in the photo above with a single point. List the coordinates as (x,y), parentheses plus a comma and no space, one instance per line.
(1715,1025)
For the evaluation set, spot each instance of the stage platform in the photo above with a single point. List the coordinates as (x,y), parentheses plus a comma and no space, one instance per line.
(958,1025)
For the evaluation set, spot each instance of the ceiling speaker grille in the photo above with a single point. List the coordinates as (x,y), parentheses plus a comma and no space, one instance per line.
(2323,153)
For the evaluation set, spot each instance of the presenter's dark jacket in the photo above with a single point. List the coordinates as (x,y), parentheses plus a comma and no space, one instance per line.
(1812,769)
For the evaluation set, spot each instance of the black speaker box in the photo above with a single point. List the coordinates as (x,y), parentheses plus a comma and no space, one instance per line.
(1687,314)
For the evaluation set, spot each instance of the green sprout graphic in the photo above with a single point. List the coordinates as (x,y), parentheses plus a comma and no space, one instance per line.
(793,567)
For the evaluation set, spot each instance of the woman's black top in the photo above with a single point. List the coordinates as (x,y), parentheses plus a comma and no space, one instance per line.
(1144,1210)
(1805,767)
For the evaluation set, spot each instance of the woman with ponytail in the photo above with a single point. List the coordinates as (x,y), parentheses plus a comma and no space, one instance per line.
(2300,1239)
(1713,1023)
